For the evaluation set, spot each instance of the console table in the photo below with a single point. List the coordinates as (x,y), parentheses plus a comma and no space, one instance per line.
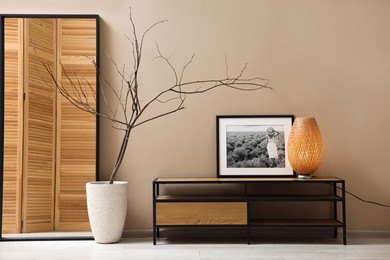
(172,210)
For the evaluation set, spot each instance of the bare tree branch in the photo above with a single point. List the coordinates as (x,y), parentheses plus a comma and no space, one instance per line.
(168,62)
(127,96)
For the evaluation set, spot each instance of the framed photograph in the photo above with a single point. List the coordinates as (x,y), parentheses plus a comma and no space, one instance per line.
(253,146)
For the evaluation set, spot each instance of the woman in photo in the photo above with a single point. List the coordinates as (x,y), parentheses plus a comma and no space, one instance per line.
(272,149)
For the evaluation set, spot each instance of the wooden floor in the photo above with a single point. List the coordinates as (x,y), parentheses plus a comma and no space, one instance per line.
(198,249)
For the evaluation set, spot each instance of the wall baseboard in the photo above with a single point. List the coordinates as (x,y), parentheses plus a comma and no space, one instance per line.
(142,233)
(367,233)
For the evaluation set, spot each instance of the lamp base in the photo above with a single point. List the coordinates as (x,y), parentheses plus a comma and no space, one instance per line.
(304,176)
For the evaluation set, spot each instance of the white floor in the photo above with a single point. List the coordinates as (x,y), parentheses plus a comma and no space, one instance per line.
(142,248)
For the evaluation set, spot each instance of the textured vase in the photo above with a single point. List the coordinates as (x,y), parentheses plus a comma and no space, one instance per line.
(305,146)
(107,206)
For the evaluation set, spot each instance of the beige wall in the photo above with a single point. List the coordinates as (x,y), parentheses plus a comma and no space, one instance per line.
(328,59)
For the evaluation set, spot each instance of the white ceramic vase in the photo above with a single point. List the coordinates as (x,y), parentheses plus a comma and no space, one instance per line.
(107,206)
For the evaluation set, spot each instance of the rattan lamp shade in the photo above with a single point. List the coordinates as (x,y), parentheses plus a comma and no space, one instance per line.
(305,146)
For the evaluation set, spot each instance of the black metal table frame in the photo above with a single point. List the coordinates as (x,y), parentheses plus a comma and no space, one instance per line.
(334,182)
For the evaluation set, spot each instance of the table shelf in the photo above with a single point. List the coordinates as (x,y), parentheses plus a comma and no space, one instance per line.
(295,223)
(177,198)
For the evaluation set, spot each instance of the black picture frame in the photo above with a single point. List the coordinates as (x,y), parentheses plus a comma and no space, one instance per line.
(253,146)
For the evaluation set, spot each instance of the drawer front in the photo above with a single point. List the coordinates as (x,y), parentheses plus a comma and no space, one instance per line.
(201,213)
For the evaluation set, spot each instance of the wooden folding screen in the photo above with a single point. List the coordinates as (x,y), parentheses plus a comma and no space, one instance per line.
(39,126)
(76,149)
(49,159)
(13,122)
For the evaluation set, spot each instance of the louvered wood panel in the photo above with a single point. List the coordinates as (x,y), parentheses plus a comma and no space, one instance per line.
(76,149)
(39,127)
(13,124)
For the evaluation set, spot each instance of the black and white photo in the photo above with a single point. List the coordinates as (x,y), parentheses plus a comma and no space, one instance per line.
(253,145)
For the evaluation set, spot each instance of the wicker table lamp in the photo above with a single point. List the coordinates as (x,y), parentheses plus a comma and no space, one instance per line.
(305,146)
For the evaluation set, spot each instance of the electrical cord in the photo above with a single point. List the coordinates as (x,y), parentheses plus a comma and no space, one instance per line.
(365,201)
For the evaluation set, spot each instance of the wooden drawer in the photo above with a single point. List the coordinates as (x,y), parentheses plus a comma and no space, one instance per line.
(201,213)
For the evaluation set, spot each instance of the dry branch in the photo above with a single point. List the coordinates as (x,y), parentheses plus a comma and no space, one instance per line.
(129,111)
